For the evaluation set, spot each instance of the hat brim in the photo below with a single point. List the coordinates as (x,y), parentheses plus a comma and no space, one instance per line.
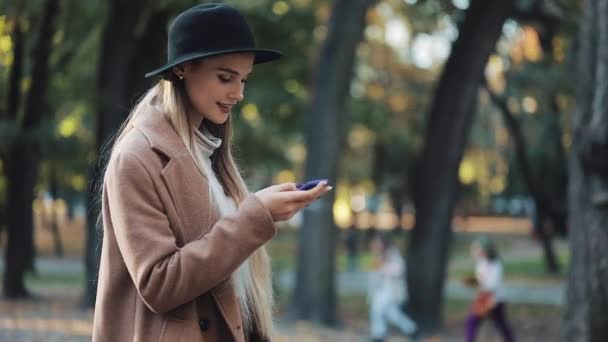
(261,56)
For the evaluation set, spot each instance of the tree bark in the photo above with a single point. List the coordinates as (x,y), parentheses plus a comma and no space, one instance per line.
(544,207)
(585,318)
(436,186)
(21,174)
(314,297)
(23,161)
(115,83)
(57,244)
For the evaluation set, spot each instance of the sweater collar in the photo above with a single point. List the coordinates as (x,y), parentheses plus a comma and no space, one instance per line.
(207,142)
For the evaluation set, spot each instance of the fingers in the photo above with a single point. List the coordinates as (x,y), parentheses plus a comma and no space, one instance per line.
(304,196)
(286,187)
(281,187)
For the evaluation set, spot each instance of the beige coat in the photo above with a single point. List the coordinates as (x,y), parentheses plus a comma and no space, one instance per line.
(167,256)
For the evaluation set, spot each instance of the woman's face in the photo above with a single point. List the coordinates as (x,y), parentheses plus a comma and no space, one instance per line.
(215,84)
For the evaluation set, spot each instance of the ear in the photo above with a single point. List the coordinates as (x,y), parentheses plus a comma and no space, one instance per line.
(178,71)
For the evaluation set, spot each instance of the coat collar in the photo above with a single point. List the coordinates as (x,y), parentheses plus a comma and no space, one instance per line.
(160,133)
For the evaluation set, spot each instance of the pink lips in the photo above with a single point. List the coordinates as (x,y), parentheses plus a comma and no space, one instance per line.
(224,108)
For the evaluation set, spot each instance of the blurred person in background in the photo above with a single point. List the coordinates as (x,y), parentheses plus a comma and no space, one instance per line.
(387,290)
(489,300)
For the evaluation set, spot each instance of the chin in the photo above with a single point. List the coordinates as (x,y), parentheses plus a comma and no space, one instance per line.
(219,120)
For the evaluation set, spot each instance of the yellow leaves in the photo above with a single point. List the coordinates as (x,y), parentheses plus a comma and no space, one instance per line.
(71,123)
(6,44)
(559,49)
(323,12)
(68,126)
(296,88)
(398,103)
(78,182)
(297,153)
(301,3)
(251,114)
(26,82)
(497,185)
(320,32)
(285,176)
(360,136)
(531,45)
(486,168)
(375,92)
(342,213)
(373,17)
(280,8)
(495,74)
(527,46)
(466,172)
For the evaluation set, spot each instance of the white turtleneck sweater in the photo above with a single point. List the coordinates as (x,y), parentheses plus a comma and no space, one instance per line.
(206,144)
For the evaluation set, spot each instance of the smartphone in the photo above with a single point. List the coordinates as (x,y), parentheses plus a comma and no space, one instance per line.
(309,185)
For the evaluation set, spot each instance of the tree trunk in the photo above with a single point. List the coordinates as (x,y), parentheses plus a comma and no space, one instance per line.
(585,316)
(57,245)
(436,185)
(542,201)
(314,297)
(21,174)
(23,160)
(118,53)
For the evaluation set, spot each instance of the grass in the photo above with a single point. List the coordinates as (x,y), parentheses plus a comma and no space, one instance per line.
(55,279)
(533,268)
(46,279)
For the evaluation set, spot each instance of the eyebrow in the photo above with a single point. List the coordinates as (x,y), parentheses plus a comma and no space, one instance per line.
(231,71)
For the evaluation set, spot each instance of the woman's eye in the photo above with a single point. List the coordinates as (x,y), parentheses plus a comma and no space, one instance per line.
(224,79)
(244,81)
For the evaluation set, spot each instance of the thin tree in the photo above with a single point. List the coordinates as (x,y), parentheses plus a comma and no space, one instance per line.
(436,183)
(314,297)
(22,157)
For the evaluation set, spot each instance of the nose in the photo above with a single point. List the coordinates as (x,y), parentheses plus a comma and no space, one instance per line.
(238,93)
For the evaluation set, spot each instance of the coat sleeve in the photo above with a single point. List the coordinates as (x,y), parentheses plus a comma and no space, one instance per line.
(164,274)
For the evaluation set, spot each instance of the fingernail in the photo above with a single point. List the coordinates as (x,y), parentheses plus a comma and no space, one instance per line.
(323,182)
(329,188)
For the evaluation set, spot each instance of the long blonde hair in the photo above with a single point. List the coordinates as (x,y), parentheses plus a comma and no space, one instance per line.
(169,98)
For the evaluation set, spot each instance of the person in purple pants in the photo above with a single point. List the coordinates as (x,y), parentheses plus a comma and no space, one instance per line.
(489,301)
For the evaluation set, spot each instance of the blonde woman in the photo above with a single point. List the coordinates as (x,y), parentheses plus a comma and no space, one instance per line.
(183,255)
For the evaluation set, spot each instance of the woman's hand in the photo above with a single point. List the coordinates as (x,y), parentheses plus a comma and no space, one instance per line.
(285,200)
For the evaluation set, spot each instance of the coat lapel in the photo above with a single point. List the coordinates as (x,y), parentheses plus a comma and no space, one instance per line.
(187,186)
(189,190)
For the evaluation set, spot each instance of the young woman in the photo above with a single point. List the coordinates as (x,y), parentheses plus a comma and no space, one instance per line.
(489,300)
(183,255)
(387,291)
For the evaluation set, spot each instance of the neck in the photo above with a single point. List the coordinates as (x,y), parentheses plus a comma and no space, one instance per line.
(196,119)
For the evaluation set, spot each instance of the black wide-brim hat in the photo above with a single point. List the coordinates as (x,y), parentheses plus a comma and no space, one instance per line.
(210,30)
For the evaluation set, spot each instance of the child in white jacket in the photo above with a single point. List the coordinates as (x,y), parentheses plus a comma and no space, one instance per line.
(387,291)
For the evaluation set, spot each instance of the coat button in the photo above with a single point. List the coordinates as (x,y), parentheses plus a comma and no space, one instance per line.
(203,324)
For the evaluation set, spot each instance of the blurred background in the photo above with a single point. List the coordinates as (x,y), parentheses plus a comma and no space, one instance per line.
(436,121)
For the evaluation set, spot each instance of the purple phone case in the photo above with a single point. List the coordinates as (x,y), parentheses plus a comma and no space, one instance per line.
(309,185)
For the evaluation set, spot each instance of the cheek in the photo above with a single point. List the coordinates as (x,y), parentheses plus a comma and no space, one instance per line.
(199,95)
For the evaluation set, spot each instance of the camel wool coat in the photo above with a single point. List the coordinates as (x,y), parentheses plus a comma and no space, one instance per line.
(167,256)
